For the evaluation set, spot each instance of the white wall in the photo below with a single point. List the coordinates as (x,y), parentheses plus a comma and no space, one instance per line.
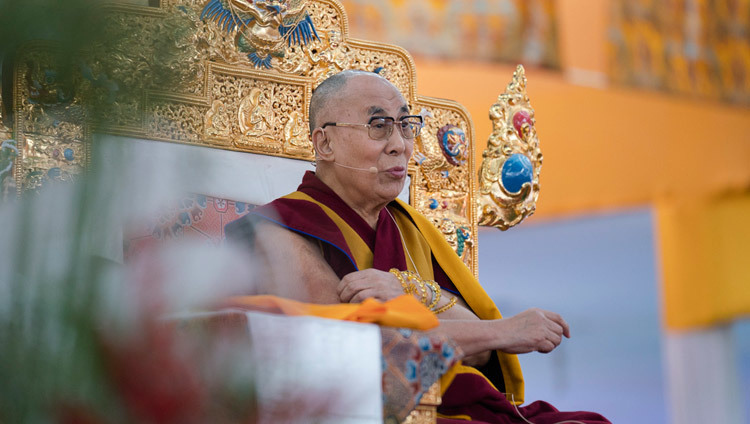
(600,273)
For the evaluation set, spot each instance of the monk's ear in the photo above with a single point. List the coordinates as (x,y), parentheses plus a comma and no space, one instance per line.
(322,144)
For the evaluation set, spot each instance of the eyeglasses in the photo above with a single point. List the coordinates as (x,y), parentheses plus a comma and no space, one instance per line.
(381,127)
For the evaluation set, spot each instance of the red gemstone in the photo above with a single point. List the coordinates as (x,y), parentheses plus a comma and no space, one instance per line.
(519,118)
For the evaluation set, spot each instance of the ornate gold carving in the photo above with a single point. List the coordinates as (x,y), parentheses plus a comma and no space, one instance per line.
(254,114)
(177,121)
(296,139)
(513,138)
(265,115)
(426,411)
(152,49)
(320,62)
(217,122)
(48,120)
(180,78)
(422,415)
(329,15)
(443,191)
(432,395)
(8,154)
(394,64)
(261,29)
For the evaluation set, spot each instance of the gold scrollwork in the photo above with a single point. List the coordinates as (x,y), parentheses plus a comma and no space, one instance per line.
(176,121)
(393,63)
(331,59)
(512,149)
(442,190)
(214,97)
(438,172)
(184,79)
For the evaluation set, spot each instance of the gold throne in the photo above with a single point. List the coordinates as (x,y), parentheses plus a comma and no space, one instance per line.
(238,77)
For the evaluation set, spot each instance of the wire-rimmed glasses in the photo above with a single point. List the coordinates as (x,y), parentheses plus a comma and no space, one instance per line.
(381,127)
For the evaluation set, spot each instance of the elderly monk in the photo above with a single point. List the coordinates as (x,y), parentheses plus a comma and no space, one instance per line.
(350,239)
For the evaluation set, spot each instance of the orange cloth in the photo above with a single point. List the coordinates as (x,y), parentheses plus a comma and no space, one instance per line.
(403,311)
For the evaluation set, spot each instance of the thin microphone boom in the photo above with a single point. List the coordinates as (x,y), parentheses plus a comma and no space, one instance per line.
(371,170)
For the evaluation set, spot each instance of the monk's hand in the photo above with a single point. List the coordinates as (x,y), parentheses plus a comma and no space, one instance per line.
(533,330)
(359,285)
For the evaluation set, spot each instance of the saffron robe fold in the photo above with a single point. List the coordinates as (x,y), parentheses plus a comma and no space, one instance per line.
(349,244)
(404,311)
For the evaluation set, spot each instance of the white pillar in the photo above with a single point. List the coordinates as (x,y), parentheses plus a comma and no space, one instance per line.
(703,377)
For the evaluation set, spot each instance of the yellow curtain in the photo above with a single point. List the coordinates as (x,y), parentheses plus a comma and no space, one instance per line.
(705,259)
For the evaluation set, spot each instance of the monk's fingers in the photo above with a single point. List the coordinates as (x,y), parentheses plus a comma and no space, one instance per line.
(546,347)
(559,321)
(381,285)
(343,284)
(360,296)
(347,288)
(554,337)
(356,282)
(554,330)
(346,295)
(351,281)
(351,292)
(365,294)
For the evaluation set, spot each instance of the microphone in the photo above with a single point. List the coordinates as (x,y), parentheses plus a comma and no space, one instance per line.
(372,170)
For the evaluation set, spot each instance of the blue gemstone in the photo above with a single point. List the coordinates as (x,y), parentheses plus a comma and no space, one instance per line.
(68,153)
(517,171)
(54,172)
(433,204)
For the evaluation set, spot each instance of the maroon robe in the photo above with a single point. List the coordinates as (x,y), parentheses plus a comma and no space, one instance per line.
(469,394)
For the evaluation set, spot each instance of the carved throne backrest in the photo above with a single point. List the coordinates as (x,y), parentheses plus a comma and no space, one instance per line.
(234,76)
(228,90)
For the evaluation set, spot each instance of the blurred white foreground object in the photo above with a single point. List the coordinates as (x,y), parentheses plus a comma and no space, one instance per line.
(316,370)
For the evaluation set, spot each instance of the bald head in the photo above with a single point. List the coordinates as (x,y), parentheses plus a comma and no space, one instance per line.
(329,90)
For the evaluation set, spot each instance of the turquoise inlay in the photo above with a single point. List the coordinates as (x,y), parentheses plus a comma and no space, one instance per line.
(517,171)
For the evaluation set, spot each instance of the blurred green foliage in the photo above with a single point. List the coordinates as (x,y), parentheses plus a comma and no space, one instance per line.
(73,24)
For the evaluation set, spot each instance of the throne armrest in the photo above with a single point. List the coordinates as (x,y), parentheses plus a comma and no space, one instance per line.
(334,370)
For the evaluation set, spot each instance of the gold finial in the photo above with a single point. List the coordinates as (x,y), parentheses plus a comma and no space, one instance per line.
(509,174)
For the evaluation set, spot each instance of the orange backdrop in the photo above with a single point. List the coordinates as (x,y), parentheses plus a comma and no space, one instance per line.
(607,147)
